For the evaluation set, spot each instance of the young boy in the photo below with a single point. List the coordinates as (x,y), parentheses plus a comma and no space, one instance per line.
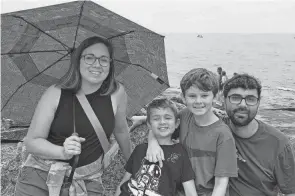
(208,141)
(146,178)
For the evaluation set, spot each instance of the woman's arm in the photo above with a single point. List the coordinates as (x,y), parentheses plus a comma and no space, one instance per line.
(220,186)
(136,121)
(121,131)
(190,188)
(126,177)
(36,139)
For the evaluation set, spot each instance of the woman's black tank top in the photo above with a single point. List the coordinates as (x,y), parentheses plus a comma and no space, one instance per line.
(62,125)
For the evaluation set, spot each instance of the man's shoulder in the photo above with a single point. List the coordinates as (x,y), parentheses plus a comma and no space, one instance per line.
(272,131)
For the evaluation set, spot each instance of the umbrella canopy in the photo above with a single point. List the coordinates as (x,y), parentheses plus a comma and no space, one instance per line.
(36,46)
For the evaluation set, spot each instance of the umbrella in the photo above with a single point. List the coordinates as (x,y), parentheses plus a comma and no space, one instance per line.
(36,45)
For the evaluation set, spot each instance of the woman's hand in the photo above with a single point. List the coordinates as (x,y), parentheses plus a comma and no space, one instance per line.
(136,121)
(72,146)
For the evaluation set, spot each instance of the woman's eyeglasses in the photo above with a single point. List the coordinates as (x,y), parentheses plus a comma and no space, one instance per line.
(237,99)
(90,59)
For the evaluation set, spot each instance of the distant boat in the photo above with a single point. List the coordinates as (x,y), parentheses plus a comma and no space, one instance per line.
(200,36)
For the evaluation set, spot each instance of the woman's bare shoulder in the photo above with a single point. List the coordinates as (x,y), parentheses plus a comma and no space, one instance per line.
(52,92)
(51,95)
(119,99)
(120,93)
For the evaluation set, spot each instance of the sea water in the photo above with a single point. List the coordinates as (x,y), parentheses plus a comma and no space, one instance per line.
(269,57)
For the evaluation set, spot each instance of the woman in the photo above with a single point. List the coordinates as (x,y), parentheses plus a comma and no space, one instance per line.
(49,137)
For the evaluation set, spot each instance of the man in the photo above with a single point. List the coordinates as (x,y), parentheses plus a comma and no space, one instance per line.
(265,156)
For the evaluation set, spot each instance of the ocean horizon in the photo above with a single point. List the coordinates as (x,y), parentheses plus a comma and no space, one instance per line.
(268,57)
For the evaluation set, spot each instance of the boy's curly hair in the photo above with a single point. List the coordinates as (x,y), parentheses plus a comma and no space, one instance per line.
(204,79)
(161,103)
(244,81)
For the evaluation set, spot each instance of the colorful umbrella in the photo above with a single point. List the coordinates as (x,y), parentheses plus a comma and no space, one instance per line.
(36,45)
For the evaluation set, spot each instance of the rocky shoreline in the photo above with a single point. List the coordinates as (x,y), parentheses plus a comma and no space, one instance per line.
(12,154)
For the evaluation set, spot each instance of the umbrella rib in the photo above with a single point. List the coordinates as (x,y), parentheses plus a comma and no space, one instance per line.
(121,34)
(80,15)
(156,77)
(58,52)
(64,45)
(133,31)
(36,51)
(151,33)
(32,79)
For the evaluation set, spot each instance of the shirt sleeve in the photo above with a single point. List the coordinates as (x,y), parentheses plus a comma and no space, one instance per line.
(226,157)
(187,170)
(285,170)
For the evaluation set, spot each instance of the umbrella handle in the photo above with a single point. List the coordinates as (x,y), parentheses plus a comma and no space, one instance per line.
(75,163)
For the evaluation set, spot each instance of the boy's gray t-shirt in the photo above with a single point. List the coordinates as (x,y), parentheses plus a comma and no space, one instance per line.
(211,150)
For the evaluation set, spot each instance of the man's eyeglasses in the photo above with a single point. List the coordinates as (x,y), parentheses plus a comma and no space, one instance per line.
(237,99)
(90,59)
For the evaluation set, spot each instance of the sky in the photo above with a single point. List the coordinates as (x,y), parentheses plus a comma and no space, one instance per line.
(193,16)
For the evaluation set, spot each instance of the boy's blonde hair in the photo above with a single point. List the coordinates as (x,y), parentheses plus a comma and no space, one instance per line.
(204,79)
(162,103)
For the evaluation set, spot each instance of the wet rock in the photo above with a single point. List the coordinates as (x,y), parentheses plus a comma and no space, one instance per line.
(12,157)
(16,134)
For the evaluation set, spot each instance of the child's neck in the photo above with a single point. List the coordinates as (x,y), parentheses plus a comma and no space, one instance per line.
(165,141)
(207,119)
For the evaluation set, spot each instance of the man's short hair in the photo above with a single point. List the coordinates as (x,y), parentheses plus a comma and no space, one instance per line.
(244,81)
(202,78)
(162,103)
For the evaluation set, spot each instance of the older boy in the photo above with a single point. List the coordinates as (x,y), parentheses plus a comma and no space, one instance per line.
(146,178)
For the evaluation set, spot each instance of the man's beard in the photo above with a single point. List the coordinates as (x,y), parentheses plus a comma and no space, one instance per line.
(241,116)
